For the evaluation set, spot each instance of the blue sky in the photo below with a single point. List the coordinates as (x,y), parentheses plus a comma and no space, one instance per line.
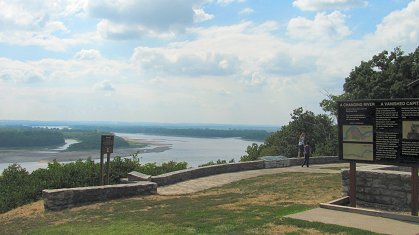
(188,61)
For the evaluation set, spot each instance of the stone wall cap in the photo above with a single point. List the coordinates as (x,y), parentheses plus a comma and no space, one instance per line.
(135,175)
(144,183)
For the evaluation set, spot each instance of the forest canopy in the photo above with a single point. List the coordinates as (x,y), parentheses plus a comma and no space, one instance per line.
(13,137)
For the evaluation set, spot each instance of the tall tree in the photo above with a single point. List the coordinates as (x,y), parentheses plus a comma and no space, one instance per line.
(319,129)
(386,75)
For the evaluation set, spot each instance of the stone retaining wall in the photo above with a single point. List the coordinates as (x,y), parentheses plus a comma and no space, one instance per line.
(58,199)
(192,173)
(383,189)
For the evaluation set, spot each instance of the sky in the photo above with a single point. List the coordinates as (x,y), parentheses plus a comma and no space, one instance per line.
(188,61)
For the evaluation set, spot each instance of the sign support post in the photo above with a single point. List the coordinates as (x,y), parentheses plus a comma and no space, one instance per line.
(352,183)
(106,146)
(108,171)
(101,167)
(414,198)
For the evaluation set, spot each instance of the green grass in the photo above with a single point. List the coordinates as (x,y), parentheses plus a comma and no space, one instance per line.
(252,206)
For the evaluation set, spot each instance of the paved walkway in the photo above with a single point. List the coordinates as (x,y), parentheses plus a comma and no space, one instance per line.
(365,222)
(370,223)
(200,184)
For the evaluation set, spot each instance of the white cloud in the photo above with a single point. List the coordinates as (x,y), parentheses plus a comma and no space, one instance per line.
(89,54)
(158,62)
(229,73)
(246,11)
(399,28)
(35,23)
(201,16)
(324,27)
(228,2)
(19,72)
(126,19)
(104,85)
(320,5)
(287,64)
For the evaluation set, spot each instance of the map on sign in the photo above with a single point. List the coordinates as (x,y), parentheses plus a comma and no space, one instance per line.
(358,133)
(355,151)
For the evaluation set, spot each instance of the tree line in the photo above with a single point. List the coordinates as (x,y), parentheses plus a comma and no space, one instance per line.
(14,137)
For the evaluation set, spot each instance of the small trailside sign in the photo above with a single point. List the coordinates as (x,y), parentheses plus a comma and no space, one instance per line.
(107,143)
(379,131)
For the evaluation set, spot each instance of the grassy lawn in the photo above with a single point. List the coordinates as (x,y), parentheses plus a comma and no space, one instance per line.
(252,206)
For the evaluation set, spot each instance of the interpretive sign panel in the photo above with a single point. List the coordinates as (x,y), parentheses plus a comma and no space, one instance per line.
(379,131)
(107,143)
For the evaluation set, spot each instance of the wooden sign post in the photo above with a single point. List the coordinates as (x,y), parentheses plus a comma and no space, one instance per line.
(106,146)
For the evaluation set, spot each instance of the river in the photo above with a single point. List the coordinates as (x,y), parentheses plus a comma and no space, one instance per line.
(194,151)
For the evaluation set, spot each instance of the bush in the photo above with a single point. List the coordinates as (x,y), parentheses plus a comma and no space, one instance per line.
(218,162)
(18,187)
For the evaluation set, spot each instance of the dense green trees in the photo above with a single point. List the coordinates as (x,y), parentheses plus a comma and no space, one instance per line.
(320,131)
(13,137)
(385,76)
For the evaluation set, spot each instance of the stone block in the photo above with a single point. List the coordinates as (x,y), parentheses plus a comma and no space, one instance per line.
(137,176)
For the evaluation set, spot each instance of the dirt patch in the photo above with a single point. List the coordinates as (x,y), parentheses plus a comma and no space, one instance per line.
(35,209)
(216,192)
(155,197)
(63,221)
(84,207)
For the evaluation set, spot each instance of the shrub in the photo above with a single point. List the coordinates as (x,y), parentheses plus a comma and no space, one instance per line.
(218,162)
(18,187)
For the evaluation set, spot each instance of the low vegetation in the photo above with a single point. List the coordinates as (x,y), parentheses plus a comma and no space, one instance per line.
(218,162)
(253,206)
(18,186)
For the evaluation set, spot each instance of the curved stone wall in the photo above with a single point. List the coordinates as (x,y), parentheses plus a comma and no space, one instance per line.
(192,173)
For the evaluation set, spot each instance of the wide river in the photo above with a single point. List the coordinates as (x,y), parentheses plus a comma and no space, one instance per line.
(194,151)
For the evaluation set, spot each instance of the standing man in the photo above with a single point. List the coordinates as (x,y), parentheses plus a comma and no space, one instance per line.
(307,153)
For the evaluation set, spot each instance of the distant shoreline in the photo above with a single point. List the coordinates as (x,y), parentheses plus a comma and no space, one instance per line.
(45,155)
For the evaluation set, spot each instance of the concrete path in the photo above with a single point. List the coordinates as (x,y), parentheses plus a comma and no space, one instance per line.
(200,184)
(365,222)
